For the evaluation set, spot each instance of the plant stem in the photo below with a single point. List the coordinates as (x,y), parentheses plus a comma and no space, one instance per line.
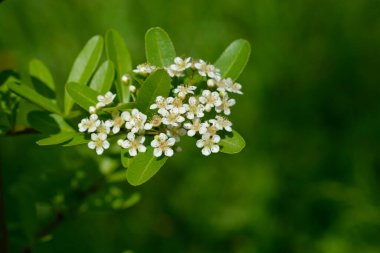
(3,227)
(59,217)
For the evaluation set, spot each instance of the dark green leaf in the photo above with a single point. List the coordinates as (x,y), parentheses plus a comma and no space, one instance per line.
(38,70)
(144,166)
(118,53)
(57,139)
(43,122)
(232,143)
(159,48)
(234,58)
(84,66)
(83,95)
(157,84)
(32,96)
(103,78)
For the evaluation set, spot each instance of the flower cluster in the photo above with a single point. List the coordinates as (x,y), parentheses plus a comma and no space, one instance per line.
(197,106)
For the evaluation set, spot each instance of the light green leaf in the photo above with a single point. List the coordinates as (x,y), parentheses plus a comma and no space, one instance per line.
(118,53)
(234,58)
(83,95)
(38,69)
(57,138)
(157,84)
(84,66)
(144,166)
(78,139)
(129,105)
(159,48)
(32,96)
(125,158)
(103,78)
(232,143)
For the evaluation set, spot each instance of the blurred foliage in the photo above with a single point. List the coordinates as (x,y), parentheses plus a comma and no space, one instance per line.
(308,179)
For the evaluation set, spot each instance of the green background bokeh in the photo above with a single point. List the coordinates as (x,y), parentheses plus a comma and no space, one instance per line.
(308,179)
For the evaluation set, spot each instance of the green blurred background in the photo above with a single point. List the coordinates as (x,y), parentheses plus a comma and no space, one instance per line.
(308,179)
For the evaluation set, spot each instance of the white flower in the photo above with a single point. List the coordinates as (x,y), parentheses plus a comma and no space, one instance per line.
(205,69)
(210,99)
(196,126)
(235,88)
(181,64)
(195,109)
(162,144)
(145,68)
(209,144)
(201,66)
(162,104)
(177,105)
(225,105)
(104,127)
(175,132)
(213,72)
(173,73)
(183,90)
(211,129)
(90,124)
(135,121)
(133,144)
(117,122)
(224,84)
(105,99)
(99,142)
(172,118)
(221,123)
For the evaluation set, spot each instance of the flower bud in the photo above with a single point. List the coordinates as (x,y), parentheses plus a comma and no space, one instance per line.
(125,78)
(132,88)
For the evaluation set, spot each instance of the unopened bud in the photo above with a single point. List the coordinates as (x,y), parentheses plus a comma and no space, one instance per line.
(156,121)
(92,109)
(210,83)
(132,88)
(125,78)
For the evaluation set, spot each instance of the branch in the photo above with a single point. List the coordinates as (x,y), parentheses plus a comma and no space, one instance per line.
(59,217)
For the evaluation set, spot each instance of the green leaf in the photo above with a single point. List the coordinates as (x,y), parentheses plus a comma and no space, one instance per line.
(32,96)
(118,53)
(125,158)
(144,166)
(129,105)
(84,66)
(159,48)
(103,78)
(157,84)
(38,69)
(232,143)
(234,58)
(43,122)
(57,139)
(78,139)
(83,95)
